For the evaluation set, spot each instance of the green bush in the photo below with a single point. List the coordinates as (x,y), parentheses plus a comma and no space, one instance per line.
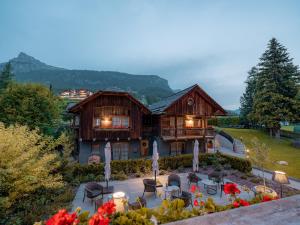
(138,166)
(228,121)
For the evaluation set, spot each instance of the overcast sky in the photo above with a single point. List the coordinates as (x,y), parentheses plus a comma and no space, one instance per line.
(212,43)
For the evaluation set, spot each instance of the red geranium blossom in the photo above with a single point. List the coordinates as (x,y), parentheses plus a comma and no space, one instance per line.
(202,203)
(193,188)
(108,208)
(103,213)
(196,203)
(267,198)
(99,219)
(244,202)
(236,204)
(231,189)
(63,218)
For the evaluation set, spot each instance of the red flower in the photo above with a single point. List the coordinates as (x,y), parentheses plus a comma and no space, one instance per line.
(231,189)
(63,218)
(108,208)
(244,202)
(202,203)
(267,198)
(236,204)
(103,213)
(98,219)
(193,188)
(196,203)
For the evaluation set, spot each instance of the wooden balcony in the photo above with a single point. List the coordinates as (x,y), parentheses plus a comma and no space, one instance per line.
(186,133)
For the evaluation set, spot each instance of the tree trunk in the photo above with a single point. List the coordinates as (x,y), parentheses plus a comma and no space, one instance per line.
(277,133)
(270,132)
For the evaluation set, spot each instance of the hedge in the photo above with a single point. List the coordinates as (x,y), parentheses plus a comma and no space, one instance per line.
(172,162)
(227,121)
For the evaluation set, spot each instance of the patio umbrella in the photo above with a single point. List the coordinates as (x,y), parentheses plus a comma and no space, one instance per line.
(196,156)
(155,158)
(107,152)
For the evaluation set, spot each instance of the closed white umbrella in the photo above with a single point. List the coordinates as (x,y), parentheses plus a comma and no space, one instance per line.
(155,157)
(196,156)
(107,152)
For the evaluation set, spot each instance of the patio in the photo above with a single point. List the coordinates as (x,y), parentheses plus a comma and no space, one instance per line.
(134,187)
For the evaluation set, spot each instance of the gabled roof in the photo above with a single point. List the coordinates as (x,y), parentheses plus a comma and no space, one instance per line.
(78,106)
(161,106)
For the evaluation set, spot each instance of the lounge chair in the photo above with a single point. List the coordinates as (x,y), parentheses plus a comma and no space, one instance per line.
(185,196)
(149,186)
(174,180)
(92,190)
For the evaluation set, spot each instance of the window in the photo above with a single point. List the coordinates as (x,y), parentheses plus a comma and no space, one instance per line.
(77,120)
(120,150)
(113,122)
(120,122)
(177,148)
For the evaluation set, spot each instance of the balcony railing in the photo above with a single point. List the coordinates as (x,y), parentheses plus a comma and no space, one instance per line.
(186,132)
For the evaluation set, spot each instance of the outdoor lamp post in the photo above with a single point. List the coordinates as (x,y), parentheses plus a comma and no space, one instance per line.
(281,178)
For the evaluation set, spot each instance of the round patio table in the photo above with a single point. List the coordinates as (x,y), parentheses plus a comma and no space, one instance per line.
(210,186)
(170,189)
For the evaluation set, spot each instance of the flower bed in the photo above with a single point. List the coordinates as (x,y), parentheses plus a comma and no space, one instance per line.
(168,211)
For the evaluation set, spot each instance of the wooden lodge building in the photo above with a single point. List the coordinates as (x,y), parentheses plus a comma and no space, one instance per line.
(117,117)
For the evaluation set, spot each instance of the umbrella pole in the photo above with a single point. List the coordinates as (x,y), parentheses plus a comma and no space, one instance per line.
(107,183)
(155,176)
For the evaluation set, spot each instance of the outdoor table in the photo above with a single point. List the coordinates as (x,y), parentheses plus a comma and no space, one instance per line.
(210,186)
(169,190)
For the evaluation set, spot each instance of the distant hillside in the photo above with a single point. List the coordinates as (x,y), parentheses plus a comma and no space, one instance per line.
(148,88)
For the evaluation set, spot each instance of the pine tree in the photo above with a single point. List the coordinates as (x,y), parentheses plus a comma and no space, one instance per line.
(276,89)
(247,98)
(6,77)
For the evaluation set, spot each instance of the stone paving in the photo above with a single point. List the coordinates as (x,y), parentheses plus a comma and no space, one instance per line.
(134,188)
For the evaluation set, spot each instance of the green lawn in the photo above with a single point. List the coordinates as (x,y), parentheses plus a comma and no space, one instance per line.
(279,149)
(288,128)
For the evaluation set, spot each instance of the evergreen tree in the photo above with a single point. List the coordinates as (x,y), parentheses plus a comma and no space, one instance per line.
(6,77)
(247,98)
(276,89)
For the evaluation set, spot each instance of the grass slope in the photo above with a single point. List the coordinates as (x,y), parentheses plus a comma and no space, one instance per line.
(279,149)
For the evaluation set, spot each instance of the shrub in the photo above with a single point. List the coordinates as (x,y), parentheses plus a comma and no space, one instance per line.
(136,166)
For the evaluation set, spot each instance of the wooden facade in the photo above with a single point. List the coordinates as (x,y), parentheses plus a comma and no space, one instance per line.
(107,108)
(117,117)
(186,115)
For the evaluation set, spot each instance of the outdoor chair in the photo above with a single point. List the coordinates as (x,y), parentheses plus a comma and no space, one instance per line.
(92,190)
(149,186)
(193,178)
(185,196)
(140,203)
(216,177)
(174,180)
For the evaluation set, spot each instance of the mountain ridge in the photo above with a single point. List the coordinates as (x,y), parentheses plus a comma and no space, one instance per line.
(148,88)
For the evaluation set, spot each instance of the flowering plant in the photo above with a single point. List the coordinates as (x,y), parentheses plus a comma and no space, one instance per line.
(231,189)
(103,214)
(102,217)
(240,202)
(267,198)
(63,218)
(198,195)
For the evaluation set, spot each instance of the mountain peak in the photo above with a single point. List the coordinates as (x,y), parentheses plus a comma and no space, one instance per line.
(23,55)
(24,63)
